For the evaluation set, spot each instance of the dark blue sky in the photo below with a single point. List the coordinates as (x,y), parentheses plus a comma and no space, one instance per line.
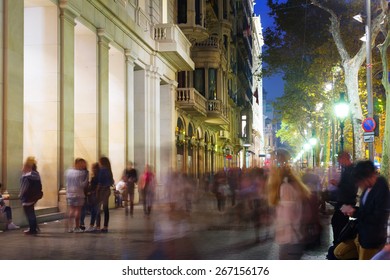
(272,85)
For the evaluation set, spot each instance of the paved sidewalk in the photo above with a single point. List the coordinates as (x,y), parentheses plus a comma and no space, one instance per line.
(137,239)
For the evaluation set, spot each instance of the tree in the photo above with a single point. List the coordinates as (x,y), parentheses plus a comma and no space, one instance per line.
(302,49)
(352,63)
(309,40)
(385,168)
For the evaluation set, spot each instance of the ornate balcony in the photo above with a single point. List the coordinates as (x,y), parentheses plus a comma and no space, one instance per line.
(174,46)
(208,50)
(217,113)
(191,101)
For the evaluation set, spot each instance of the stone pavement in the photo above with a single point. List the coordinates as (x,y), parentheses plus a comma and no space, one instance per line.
(203,236)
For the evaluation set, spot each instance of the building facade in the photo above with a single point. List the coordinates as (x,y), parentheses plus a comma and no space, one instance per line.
(157,82)
(215,101)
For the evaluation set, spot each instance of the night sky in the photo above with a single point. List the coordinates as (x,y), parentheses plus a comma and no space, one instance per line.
(273,85)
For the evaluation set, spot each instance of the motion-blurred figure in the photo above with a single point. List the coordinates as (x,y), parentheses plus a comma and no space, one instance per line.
(148,187)
(131,176)
(221,189)
(172,222)
(287,193)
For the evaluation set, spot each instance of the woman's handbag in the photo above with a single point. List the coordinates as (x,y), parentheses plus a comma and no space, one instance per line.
(349,231)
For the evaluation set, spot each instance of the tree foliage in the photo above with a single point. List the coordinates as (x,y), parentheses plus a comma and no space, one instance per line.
(309,39)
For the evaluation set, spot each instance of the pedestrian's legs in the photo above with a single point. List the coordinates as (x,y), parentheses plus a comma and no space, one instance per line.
(71,218)
(98,216)
(106,214)
(149,202)
(83,212)
(367,254)
(125,200)
(8,213)
(339,220)
(32,219)
(105,207)
(93,208)
(77,213)
(131,203)
(144,200)
(347,250)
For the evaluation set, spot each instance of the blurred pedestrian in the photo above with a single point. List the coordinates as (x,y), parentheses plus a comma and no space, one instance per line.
(105,181)
(85,207)
(259,202)
(120,192)
(221,189)
(372,214)
(311,216)
(30,192)
(92,196)
(172,222)
(131,176)
(234,179)
(77,179)
(287,193)
(148,188)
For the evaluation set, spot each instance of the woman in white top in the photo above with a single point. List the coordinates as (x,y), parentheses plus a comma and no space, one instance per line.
(77,179)
(287,193)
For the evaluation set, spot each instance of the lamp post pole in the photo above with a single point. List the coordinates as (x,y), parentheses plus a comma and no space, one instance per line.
(341,110)
(370,107)
(342,135)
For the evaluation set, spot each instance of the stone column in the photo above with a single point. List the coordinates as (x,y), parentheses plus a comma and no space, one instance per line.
(130,58)
(102,91)
(140,119)
(11,101)
(103,132)
(167,123)
(155,122)
(66,149)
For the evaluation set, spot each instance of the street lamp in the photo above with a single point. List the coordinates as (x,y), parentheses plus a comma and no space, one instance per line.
(341,110)
(313,143)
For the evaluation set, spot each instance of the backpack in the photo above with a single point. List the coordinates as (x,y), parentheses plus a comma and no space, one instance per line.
(34,191)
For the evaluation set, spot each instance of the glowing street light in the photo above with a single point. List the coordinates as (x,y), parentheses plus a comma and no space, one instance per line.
(341,110)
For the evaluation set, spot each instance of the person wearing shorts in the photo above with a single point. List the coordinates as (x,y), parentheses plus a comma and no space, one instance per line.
(77,179)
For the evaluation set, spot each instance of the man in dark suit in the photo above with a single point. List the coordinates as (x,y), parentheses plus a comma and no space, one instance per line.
(346,194)
(372,214)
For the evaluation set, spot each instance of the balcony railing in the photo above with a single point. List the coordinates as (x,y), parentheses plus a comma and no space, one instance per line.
(174,45)
(190,100)
(211,42)
(215,108)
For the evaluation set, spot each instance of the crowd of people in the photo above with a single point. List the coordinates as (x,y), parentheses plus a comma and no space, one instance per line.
(293,202)
(277,197)
(85,194)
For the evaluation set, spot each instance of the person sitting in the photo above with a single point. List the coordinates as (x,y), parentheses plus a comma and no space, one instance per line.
(120,192)
(6,212)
